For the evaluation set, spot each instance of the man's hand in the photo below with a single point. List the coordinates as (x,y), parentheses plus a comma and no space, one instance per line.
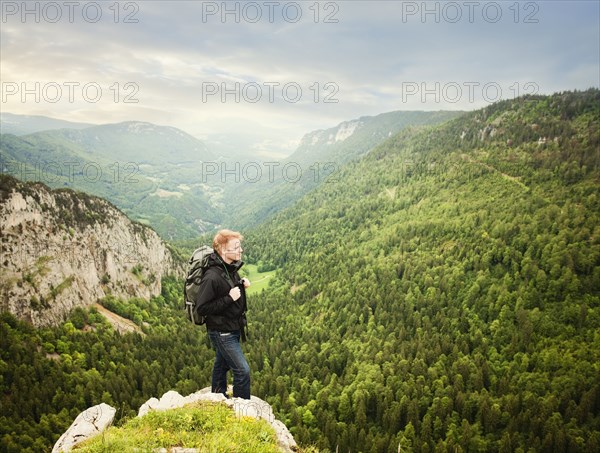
(246,282)
(235,293)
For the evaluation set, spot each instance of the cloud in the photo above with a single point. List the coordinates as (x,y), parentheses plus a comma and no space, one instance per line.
(278,75)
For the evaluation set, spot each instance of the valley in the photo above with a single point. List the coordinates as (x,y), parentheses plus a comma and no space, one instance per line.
(442,294)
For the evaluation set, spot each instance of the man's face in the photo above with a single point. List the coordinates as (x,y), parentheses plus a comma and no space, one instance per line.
(233,250)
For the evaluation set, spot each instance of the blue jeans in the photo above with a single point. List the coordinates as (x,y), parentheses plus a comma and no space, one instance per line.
(229,357)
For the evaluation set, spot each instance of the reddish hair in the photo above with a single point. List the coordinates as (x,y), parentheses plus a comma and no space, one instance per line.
(223,236)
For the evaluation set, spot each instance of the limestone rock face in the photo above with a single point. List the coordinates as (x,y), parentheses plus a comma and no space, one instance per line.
(61,249)
(90,422)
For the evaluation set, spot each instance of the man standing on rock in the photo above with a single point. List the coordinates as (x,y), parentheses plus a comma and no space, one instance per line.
(222,299)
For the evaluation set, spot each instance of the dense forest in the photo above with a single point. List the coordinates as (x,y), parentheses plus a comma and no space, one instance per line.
(443,294)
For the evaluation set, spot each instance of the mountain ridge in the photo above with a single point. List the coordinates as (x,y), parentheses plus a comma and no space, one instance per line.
(318,160)
(11,123)
(383,125)
(162,176)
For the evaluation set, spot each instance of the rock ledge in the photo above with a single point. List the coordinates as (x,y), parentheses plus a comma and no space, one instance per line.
(98,418)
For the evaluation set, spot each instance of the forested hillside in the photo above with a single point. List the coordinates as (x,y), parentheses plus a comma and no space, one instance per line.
(444,295)
(318,160)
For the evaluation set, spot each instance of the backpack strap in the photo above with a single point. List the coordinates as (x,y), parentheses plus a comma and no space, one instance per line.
(227,277)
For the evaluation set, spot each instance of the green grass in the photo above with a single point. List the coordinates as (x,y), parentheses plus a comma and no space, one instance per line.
(258,280)
(209,427)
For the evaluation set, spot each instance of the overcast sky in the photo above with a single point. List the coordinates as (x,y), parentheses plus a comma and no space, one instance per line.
(272,71)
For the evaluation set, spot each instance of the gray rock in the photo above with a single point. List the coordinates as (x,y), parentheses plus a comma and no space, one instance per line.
(96,419)
(284,437)
(90,422)
(254,407)
(172,400)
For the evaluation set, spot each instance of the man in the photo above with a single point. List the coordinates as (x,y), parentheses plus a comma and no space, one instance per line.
(222,299)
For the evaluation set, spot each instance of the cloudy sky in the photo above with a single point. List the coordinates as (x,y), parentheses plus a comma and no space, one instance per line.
(265,73)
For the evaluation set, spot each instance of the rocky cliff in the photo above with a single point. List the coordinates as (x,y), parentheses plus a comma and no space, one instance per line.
(61,249)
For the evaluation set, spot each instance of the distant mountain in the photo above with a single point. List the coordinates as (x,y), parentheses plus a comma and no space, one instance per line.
(165,177)
(319,159)
(133,141)
(138,142)
(351,139)
(28,124)
(149,171)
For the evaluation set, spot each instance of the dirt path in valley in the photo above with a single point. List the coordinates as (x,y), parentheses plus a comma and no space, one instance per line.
(122,325)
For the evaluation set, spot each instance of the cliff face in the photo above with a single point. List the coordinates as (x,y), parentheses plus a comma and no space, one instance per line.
(61,249)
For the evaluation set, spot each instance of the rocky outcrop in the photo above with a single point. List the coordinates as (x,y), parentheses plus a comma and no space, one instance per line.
(255,407)
(62,249)
(90,422)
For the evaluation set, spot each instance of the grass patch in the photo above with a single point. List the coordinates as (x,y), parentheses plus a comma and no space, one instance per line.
(209,427)
(259,280)
(67,282)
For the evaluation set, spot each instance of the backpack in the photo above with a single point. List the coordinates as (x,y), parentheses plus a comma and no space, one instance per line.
(197,265)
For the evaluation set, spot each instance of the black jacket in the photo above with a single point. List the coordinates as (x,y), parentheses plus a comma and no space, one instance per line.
(222,312)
